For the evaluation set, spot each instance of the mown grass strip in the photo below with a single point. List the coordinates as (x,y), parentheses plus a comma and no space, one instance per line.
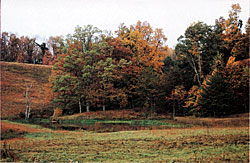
(42,135)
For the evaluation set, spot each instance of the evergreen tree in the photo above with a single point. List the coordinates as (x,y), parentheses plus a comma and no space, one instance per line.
(216,97)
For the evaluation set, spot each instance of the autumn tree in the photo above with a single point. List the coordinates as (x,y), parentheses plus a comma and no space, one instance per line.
(147,45)
(232,32)
(241,50)
(86,36)
(26,50)
(147,52)
(207,49)
(177,98)
(236,74)
(19,49)
(107,75)
(57,45)
(192,99)
(130,72)
(4,46)
(101,73)
(9,47)
(85,74)
(65,80)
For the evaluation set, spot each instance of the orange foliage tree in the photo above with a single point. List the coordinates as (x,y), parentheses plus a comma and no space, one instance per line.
(237,75)
(232,34)
(147,50)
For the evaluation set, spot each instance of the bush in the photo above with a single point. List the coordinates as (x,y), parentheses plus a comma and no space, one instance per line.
(43,113)
(21,115)
(7,155)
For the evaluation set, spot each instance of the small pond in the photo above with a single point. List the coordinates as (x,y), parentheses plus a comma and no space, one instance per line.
(104,125)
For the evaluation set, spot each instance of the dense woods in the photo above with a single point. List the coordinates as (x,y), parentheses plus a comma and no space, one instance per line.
(207,74)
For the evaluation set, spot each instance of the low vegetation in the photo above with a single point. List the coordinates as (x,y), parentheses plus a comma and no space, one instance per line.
(196,144)
(206,140)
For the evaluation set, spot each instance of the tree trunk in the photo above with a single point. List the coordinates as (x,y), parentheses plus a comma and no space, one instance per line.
(27,111)
(200,71)
(132,104)
(173,112)
(154,108)
(80,106)
(87,107)
(173,109)
(193,65)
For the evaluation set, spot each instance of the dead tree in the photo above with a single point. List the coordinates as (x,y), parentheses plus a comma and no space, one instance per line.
(43,48)
(80,106)
(28,102)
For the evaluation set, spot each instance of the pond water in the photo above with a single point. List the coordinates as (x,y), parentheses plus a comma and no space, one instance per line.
(104,125)
(97,127)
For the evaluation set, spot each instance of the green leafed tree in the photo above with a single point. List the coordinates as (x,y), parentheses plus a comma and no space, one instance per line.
(199,45)
(107,76)
(85,75)
(66,82)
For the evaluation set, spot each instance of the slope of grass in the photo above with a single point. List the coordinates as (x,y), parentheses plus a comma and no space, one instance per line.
(15,77)
(13,130)
(233,120)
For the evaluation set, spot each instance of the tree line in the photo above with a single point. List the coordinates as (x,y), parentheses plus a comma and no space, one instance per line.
(205,75)
(99,70)
(26,50)
(212,62)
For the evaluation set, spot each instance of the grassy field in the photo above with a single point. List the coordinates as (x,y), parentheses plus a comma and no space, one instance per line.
(193,144)
(15,77)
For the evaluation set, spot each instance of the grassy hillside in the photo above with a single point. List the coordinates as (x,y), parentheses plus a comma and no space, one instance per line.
(15,77)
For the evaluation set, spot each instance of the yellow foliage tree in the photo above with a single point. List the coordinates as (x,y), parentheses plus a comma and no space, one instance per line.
(148,45)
